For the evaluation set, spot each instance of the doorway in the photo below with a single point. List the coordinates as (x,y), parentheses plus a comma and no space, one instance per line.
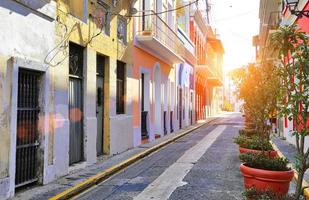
(100,104)
(180,108)
(76,103)
(27,142)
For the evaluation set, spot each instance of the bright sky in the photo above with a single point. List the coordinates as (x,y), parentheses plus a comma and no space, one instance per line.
(236,21)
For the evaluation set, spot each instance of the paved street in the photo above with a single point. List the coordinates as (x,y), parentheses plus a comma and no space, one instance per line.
(141,100)
(202,165)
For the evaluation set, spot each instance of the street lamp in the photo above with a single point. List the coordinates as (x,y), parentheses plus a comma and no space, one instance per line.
(292,4)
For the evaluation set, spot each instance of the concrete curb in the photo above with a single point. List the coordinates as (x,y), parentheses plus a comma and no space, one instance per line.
(305,184)
(84,185)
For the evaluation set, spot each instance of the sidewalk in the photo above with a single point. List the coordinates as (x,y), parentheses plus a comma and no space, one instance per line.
(289,151)
(77,176)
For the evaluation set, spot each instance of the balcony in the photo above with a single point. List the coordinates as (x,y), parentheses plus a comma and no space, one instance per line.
(214,77)
(189,47)
(157,38)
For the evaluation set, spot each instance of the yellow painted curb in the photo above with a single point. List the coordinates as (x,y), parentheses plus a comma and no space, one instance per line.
(305,184)
(82,186)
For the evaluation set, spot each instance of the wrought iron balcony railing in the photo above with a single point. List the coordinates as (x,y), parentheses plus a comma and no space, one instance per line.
(153,26)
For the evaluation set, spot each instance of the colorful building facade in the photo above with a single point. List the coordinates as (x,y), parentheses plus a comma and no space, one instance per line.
(209,76)
(97,77)
(272,14)
(185,72)
(25,87)
(69,67)
(157,49)
(285,125)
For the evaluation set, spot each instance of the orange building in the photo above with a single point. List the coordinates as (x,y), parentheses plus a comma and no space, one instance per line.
(209,76)
(157,49)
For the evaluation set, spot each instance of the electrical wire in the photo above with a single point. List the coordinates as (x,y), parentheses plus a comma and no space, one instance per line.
(156,13)
(61,45)
(101,30)
(249,12)
(144,15)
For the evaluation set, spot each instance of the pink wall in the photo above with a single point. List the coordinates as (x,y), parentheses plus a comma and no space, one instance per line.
(145,60)
(303,22)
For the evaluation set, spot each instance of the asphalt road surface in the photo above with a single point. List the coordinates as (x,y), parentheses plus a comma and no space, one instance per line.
(202,165)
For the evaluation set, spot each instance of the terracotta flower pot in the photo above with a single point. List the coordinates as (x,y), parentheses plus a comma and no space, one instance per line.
(146,33)
(271,154)
(276,181)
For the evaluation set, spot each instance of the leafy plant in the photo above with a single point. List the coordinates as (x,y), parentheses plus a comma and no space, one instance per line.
(253,194)
(253,142)
(262,161)
(290,46)
(248,132)
(258,86)
(227,106)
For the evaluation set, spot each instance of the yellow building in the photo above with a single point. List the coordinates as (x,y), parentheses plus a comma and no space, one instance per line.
(95,58)
(76,58)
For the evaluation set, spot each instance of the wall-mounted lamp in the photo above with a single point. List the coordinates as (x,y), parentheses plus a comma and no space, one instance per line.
(292,5)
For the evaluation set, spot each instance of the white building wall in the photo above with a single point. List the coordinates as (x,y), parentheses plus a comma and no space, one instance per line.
(25,45)
(185,85)
(183,81)
(121,125)
(288,134)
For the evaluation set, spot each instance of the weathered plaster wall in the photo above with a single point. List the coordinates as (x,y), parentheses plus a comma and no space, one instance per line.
(90,119)
(4,118)
(5,141)
(82,33)
(20,37)
(121,125)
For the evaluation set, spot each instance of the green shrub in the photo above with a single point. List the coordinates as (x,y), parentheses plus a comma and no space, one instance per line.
(254,142)
(227,106)
(251,193)
(248,132)
(262,161)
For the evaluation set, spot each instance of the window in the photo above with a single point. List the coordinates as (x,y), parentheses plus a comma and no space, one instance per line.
(103,17)
(122,29)
(76,60)
(143,92)
(120,91)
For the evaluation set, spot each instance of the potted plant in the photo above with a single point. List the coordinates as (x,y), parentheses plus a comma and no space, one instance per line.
(248,132)
(266,174)
(258,86)
(255,144)
(147,26)
(290,46)
(253,194)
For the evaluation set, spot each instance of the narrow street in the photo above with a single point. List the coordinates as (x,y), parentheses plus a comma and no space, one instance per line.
(143,99)
(202,165)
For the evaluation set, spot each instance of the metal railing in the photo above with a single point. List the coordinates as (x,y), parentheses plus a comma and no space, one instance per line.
(152,24)
(215,68)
